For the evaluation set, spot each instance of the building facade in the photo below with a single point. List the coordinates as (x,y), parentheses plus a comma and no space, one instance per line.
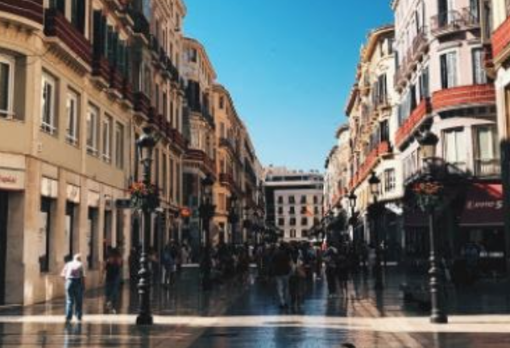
(443,87)
(373,121)
(79,80)
(496,37)
(294,201)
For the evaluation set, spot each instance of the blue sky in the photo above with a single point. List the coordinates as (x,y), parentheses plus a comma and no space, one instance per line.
(289,65)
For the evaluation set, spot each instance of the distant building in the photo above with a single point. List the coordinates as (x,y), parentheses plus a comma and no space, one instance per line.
(293,201)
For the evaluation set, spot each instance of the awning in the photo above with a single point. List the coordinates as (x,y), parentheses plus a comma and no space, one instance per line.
(483,206)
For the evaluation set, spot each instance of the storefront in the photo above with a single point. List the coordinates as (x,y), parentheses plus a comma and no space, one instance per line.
(12,183)
(482,227)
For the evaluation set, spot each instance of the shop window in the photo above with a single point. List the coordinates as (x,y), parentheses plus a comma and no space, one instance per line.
(44,240)
(92,237)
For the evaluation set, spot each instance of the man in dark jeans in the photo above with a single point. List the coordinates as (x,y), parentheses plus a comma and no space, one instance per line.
(281,271)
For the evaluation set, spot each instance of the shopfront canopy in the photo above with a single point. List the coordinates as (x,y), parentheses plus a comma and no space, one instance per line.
(483,206)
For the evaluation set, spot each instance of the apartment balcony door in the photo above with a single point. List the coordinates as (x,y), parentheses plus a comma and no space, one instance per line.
(4,200)
(445,14)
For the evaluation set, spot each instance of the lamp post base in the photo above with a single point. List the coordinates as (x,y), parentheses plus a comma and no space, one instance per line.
(144,320)
(439,319)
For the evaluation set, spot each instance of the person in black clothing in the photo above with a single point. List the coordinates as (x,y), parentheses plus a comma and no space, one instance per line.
(281,270)
(113,274)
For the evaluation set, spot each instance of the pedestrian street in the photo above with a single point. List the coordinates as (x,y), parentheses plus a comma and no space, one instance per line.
(235,315)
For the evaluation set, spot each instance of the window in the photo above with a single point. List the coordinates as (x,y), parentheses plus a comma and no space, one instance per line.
(303,200)
(448,70)
(6,86)
(281,222)
(316,211)
(92,129)
(280,199)
(172,175)
(72,118)
(280,210)
(193,55)
(455,147)
(389,180)
(304,233)
(304,221)
(424,84)
(487,151)
(315,200)
(222,103)
(292,200)
(304,210)
(107,139)
(293,233)
(293,221)
(292,211)
(48,103)
(119,145)
(479,73)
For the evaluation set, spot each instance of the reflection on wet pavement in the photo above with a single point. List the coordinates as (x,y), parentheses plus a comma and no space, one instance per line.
(246,315)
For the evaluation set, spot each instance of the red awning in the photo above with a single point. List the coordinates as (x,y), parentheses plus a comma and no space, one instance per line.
(484,206)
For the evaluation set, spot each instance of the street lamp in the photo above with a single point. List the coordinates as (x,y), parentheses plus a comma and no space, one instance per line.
(233,218)
(206,214)
(145,146)
(375,183)
(428,142)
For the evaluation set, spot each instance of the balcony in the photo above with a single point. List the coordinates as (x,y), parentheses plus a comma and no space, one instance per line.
(383,148)
(225,143)
(142,103)
(451,22)
(200,159)
(127,90)
(178,139)
(116,81)
(487,168)
(101,69)
(27,12)
(414,54)
(412,122)
(463,96)
(141,24)
(501,43)
(70,41)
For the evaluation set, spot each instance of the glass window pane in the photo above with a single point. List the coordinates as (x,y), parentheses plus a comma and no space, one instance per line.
(4,86)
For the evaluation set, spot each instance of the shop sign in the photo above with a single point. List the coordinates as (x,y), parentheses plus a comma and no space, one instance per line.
(477,205)
(93,199)
(11,179)
(73,194)
(49,188)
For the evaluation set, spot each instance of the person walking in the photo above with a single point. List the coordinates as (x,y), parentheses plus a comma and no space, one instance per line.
(74,275)
(168,269)
(113,274)
(330,259)
(296,280)
(281,271)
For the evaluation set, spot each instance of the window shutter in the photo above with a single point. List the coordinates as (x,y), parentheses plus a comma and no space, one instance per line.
(444,72)
(80,8)
(98,42)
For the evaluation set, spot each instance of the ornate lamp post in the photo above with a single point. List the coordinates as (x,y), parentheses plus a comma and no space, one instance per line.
(428,193)
(375,183)
(206,214)
(233,217)
(145,198)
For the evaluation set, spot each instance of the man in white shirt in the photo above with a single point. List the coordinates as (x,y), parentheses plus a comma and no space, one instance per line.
(74,275)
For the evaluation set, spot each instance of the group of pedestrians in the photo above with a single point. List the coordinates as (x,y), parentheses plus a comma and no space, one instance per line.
(227,262)
(164,265)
